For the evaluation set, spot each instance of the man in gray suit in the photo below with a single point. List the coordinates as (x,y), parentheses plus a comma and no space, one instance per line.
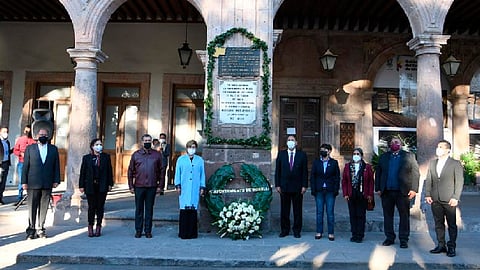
(443,188)
(40,173)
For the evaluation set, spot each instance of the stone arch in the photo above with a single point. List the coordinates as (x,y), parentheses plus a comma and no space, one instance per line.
(90,19)
(382,57)
(426,16)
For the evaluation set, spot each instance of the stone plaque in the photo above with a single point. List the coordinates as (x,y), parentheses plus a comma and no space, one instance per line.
(238,102)
(239,62)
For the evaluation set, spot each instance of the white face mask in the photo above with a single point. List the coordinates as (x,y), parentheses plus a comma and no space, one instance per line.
(98,148)
(440,152)
(291,144)
(356,158)
(162,141)
(191,151)
(5,135)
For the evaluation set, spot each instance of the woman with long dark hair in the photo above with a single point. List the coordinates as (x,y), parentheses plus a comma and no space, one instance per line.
(96,179)
(357,187)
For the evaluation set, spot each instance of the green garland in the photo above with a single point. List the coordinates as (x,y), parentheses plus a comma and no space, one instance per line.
(251,174)
(263,140)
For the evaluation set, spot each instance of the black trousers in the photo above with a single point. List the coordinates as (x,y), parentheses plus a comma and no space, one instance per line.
(442,211)
(3,178)
(38,200)
(357,209)
(294,199)
(144,201)
(187,225)
(390,200)
(96,206)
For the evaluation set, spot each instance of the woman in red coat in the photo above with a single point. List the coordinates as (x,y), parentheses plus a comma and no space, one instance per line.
(357,187)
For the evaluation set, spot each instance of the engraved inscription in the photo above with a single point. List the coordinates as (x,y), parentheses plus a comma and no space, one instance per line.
(239,62)
(238,102)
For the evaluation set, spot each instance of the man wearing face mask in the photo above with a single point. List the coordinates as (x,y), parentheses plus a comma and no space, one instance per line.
(291,181)
(443,187)
(40,173)
(5,152)
(396,181)
(190,185)
(144,181)
(165,151)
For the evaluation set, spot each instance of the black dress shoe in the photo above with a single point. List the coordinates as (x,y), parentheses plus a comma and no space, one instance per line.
(148,235)
(30,237)
(297,235)
(283,234)
(138,235)
(387,242)
(403,244)
(318,236)
(451,252)
(438,249)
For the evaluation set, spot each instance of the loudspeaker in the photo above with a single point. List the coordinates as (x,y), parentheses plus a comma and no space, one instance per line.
(42,119)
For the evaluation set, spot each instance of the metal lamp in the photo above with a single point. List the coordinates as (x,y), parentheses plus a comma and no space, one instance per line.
(328,60)
(451,66)
(185,52)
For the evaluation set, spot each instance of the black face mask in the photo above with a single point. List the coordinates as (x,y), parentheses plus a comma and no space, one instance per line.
(323,153)
(147,145)
(43,139)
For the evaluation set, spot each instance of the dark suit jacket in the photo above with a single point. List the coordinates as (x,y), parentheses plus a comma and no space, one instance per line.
(165,155)
(40,175)
(294,180)
(2,153)
(86,174)
(408,174)
(450,183)
(331,176)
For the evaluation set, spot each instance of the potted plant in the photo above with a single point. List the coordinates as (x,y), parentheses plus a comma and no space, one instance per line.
(471,167)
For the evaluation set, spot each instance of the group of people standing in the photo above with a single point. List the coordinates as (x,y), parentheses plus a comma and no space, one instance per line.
(395,179)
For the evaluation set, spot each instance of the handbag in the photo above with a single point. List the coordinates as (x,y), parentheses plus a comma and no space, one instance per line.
(371,204)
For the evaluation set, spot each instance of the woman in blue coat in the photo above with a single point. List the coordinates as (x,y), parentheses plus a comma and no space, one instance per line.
(190,185)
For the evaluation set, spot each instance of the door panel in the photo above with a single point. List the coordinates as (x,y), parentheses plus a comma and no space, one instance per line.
(121,120)
(303,114)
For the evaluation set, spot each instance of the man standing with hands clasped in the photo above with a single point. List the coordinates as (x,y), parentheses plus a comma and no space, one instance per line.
(144,181)
(396,181)
(291,181)
(443,188)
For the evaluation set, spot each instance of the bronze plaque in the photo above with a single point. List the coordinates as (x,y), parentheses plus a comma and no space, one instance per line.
(239,62)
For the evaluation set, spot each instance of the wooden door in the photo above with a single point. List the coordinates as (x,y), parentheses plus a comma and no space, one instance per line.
(120,125)
(303,114)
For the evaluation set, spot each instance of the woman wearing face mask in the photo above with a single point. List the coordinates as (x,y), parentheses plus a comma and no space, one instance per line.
(190,185)
(357,187)
(325,183)
(96,179)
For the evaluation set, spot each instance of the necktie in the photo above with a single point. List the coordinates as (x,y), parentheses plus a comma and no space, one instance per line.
(291,160)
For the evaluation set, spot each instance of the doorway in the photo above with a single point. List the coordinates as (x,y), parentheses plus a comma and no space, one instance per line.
(120,125)
(187,121)
(303,114)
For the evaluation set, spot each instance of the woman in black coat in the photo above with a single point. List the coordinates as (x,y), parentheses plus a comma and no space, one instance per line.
(96,179)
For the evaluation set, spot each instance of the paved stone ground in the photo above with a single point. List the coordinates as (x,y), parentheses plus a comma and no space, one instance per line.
(69,244)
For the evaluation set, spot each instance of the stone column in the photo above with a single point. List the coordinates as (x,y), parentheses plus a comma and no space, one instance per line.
(429,99)
(460,129)
(83,128)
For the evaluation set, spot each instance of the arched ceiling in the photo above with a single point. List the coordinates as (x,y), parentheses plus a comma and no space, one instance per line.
(342,15)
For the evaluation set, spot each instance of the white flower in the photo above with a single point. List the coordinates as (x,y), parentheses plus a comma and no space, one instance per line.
(239,220)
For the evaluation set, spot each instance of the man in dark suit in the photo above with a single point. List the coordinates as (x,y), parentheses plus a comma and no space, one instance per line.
(40,173)
(5,152)
(165,151)
(443,188)
(396,181)
(291,181)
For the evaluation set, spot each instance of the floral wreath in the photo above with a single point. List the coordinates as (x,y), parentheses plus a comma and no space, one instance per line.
(263,140)
(251,174)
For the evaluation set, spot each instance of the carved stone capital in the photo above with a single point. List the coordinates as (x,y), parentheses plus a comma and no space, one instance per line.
(87,58)
(427,43)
